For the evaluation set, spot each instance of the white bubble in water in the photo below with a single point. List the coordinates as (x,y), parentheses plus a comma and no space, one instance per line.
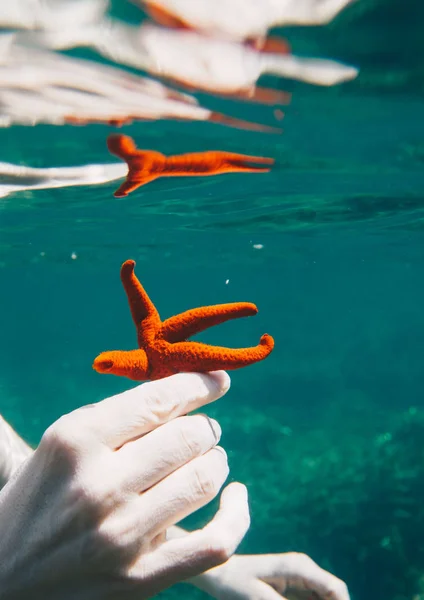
(258,246)
(74,256)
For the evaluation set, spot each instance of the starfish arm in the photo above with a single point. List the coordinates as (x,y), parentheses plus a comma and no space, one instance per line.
(182,326)
(121,145)
(146,165)
(143,165)
(234,156)
(214,163)
(192,356)
(236,163)
(140,304)
(125,363)
(131,184)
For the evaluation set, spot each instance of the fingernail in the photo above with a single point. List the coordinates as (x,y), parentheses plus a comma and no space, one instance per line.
(216,429)
(214,425)
(221,450)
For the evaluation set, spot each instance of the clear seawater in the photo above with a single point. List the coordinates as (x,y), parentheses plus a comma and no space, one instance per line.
(328,432)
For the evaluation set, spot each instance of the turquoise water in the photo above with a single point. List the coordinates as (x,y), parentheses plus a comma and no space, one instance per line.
(327,432)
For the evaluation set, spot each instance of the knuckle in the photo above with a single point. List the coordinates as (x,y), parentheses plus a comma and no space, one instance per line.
(64,435)
(204,484)
(338,590)
(98,491)
(161,403)
(90,486)
(303,564)
(303,560)
(198,433)
(207,387)
(190,440)
(220,548)
(171,396)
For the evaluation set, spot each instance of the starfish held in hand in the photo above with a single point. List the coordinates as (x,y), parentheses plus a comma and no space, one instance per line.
(146,165)
(163,349)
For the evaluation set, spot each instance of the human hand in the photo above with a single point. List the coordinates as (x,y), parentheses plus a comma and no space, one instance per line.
(13,451)
(288,576)
(242,577)
(85,517)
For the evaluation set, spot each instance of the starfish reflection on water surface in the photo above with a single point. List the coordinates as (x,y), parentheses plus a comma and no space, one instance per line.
(163,349)
(146,165)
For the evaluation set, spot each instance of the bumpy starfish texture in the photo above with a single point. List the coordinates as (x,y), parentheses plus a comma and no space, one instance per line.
(146,165)
(163,346)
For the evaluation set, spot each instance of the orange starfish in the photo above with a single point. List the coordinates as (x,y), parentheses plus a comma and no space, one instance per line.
(146,165)
(163,349)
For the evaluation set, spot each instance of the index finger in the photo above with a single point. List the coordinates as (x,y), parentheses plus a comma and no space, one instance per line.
(126,416)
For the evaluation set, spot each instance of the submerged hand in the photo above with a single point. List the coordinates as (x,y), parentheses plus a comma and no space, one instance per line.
(255,577)
(85,517)
(13,451)
(290,576)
